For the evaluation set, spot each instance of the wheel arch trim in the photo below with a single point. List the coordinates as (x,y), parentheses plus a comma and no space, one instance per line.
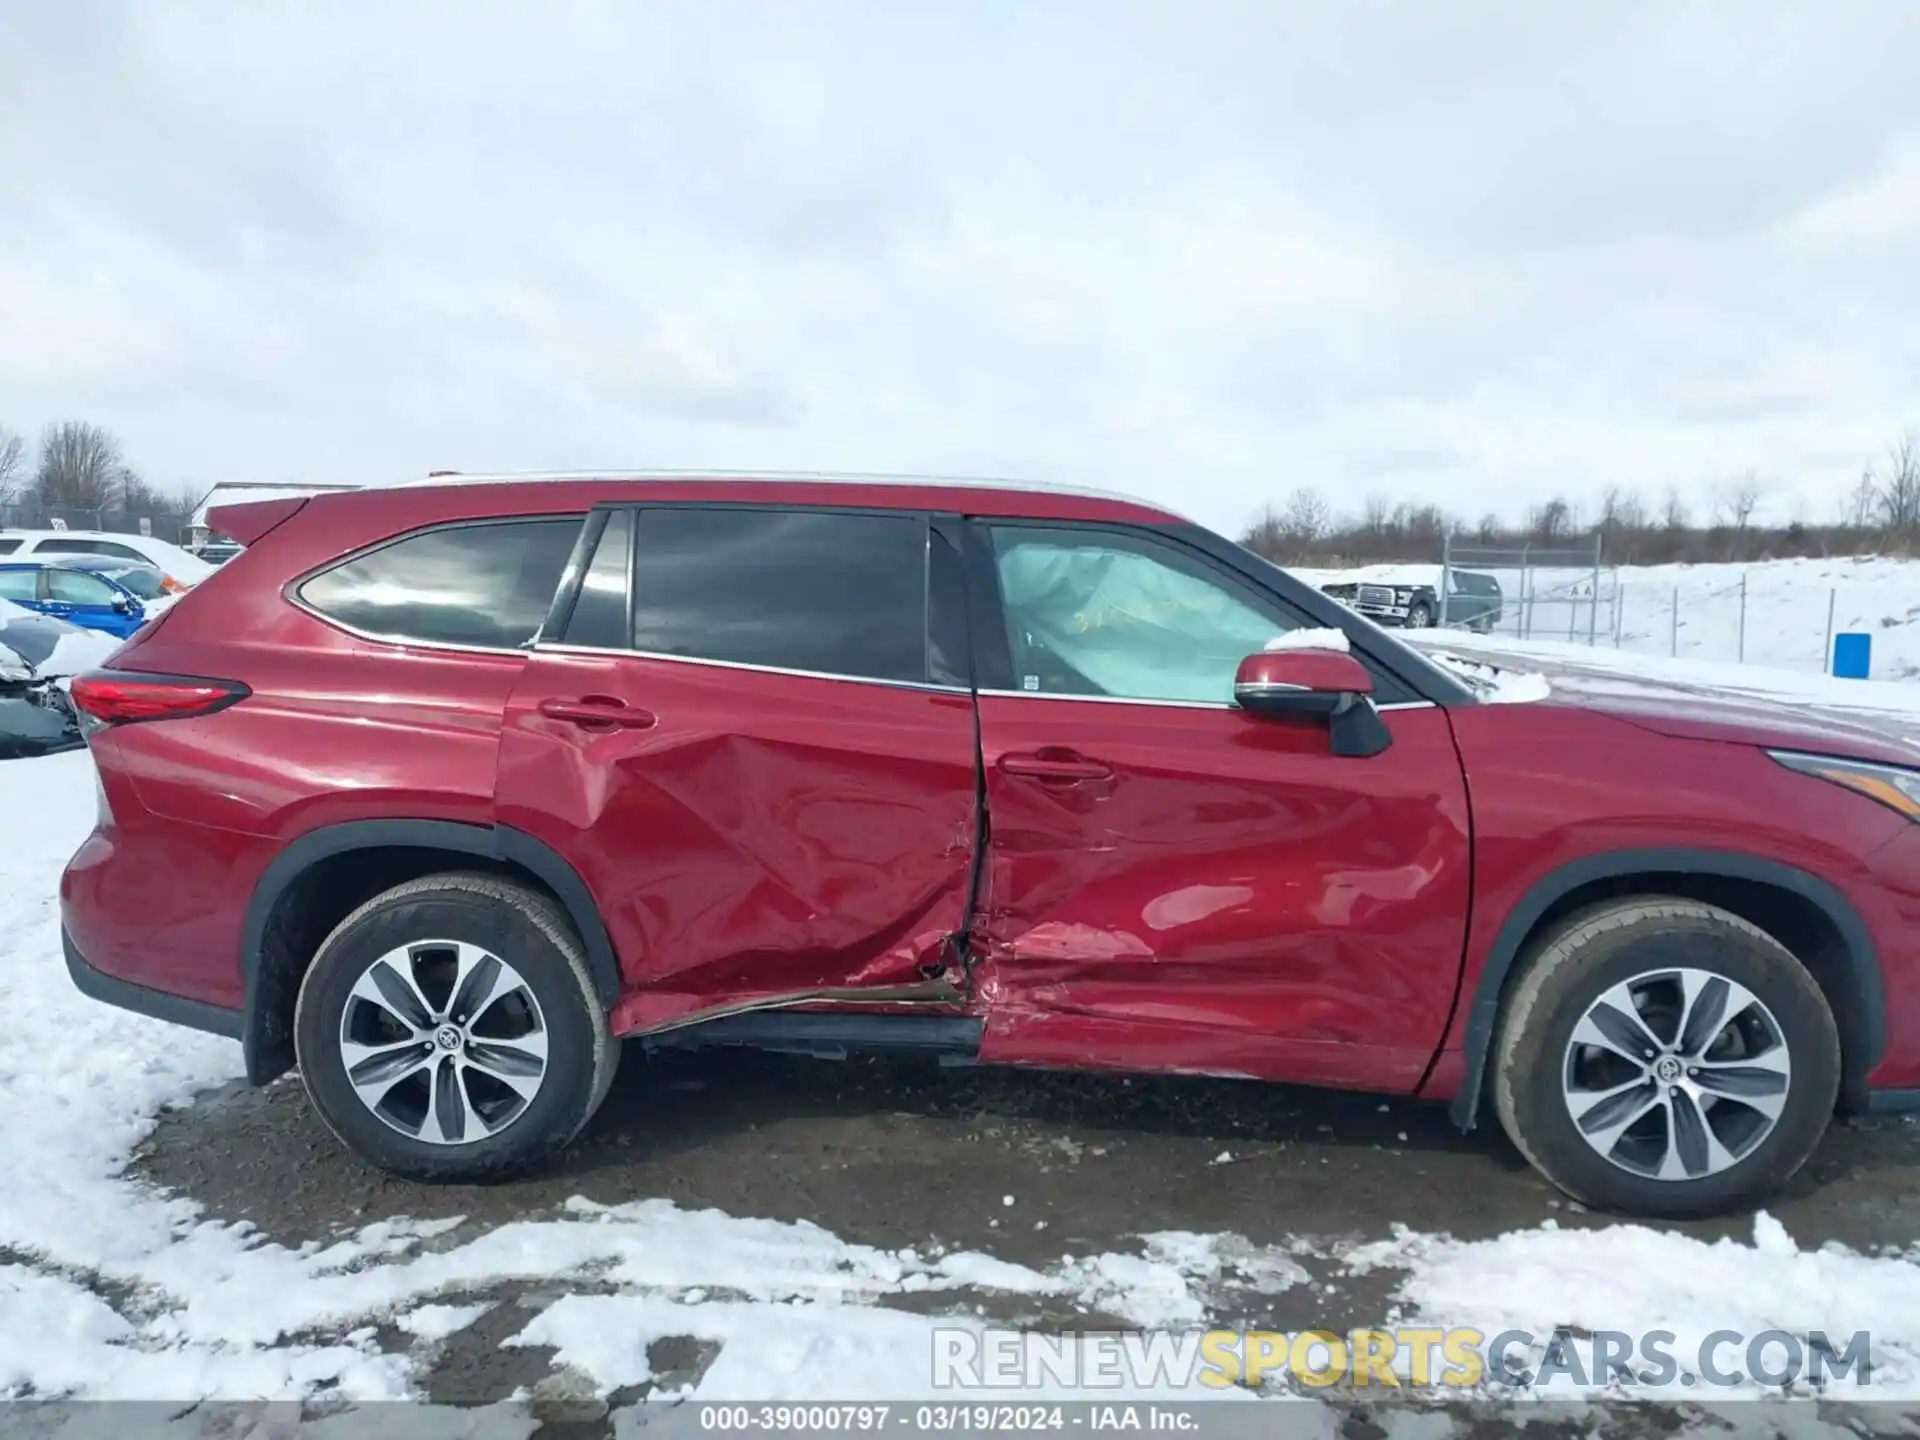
(1863,960)
(490,842)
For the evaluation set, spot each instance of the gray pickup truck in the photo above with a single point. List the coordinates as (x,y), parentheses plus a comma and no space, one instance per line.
(1474,601)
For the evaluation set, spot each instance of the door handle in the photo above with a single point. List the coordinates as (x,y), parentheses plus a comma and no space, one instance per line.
(599,712)
(1059,766)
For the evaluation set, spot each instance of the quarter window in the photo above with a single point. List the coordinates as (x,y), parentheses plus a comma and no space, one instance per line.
(485,585)
(836,593)
(1103,613)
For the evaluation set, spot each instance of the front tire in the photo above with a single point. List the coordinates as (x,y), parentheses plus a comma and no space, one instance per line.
(449,1030)
(1420,617)
(1666,1058)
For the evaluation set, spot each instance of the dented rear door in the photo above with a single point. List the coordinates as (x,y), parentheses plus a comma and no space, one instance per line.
(764,766)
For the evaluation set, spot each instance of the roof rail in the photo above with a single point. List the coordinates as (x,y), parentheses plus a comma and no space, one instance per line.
(817,477)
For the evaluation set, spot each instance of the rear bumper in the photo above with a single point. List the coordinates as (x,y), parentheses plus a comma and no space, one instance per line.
(98,985)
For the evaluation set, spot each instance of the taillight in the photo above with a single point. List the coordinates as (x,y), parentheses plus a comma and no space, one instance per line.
(121,698)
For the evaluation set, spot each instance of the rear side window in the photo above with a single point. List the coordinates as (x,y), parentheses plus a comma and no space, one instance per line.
(7,547)
(486,585)
(835,593)
(19,584)
(76,546)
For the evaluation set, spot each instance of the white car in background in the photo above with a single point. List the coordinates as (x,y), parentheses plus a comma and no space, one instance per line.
(180,569)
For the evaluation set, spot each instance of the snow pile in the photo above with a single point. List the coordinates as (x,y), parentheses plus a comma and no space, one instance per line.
(79,652)
(1309,640)
(1635,1280)
(1493,684)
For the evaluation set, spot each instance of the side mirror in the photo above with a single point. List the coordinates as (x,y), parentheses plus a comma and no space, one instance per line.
(1323,684)
(122,606)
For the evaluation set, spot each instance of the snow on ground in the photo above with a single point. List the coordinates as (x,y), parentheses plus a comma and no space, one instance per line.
(1602,668)
(1628,1278)
(1693,612)
(109,1288)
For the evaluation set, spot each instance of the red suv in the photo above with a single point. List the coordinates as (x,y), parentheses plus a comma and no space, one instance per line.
(440,791)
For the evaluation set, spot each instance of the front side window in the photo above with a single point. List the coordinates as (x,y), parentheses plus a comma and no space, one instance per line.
(1105,613)
(76,587)
(486,585)
(836,593)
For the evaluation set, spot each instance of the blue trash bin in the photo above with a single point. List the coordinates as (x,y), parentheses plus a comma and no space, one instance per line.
(1853,655)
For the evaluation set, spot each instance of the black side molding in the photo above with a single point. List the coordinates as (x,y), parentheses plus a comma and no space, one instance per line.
(828,1036)
(1893,1102)
(1862,959)
(123,994)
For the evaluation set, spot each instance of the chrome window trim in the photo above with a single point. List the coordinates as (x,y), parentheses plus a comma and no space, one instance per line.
(556,647)
(1175,704)
(410,642)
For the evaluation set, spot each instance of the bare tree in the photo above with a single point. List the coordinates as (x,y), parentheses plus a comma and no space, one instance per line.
(1861,504)
(1898,486)
(1673,512)
(80,465)
(1612,500)
(1735,501)
(1488,530)
(1376,515)
(13,465)
(1555,520)
(1307,515)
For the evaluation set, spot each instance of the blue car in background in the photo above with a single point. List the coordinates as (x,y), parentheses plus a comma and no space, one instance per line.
(95,592)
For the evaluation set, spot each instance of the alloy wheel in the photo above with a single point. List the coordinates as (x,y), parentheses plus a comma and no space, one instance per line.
(443,1041)
(1676,1074)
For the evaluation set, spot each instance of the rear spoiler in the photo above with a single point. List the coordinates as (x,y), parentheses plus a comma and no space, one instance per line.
(246,523)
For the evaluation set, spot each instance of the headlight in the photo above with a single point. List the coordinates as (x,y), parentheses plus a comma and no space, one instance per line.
(1893,787)
(1402,597)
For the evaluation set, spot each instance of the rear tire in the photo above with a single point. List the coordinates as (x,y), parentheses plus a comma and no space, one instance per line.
(449,1030)
(1705,1098)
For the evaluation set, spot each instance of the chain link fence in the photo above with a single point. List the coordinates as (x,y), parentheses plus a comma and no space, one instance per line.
(1785,614)
(1531,592)
(30,515)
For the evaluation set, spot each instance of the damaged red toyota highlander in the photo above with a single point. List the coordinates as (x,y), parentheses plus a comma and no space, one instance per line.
(439,792)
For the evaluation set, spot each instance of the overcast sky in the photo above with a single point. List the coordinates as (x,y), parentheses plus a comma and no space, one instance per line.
(1199,251)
